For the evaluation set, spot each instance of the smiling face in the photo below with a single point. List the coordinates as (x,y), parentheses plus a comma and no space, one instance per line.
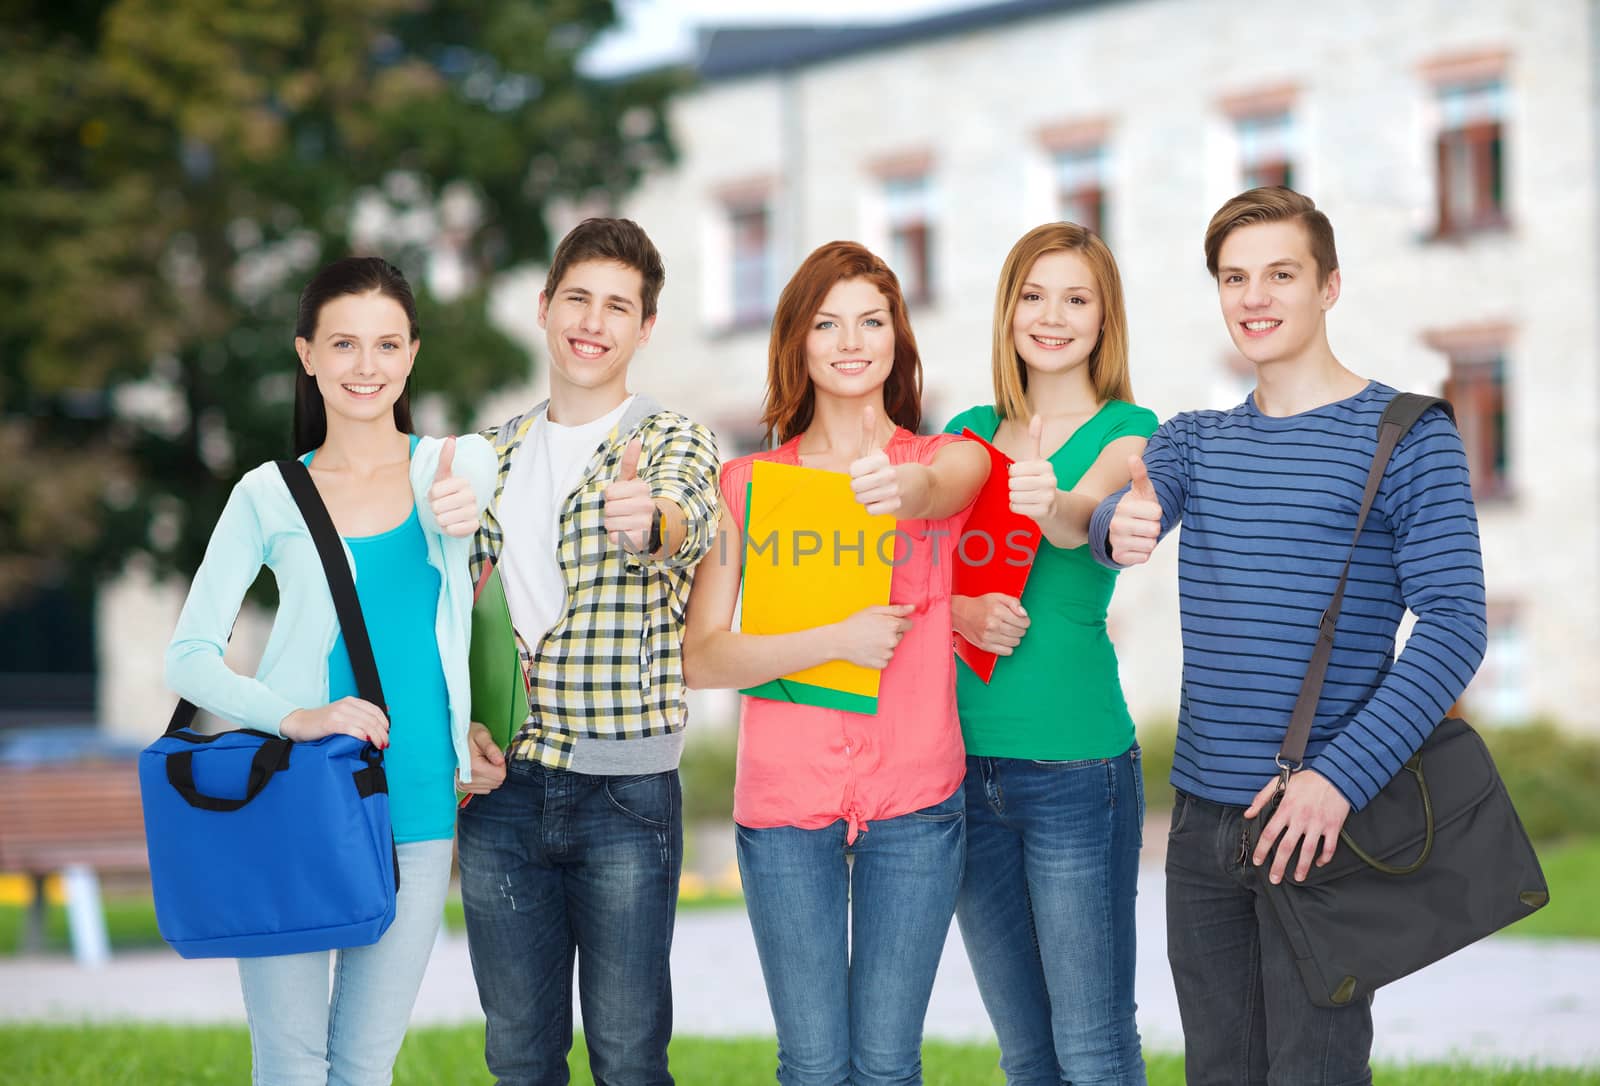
(850,347)
(360,355)
(1275,309)
(593,322)
(1059,313)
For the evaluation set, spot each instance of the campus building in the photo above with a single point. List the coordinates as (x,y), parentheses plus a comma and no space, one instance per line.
(1453,144)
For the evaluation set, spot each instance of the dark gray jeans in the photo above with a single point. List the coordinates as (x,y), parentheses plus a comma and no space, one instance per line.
(1246,1015)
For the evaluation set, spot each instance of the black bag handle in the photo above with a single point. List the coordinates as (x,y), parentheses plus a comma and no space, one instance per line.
(273,755)
(270,757)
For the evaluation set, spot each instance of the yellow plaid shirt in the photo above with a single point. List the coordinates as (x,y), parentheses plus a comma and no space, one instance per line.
(612,667)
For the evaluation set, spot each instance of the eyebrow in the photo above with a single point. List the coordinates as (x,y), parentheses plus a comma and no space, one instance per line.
(835,316)
(1281,262)
(352,335)
(619,298)
(1040,286)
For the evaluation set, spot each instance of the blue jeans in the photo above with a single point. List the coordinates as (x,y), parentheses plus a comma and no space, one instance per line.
(298,1037)
(555,866)
(1246,1016)
(1046,912)
(850,937)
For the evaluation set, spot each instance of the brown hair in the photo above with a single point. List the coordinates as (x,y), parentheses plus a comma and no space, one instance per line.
(791,401)
(1273,204)
(1108,362)
(620,241)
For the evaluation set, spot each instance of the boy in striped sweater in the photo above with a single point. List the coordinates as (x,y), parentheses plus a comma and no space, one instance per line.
(1268,493)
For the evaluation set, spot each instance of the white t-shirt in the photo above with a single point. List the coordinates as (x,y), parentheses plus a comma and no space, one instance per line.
(546,469)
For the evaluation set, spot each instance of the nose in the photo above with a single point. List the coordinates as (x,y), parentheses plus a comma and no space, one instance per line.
(1255,294)
(1055,311)
(849,337)
(593,317)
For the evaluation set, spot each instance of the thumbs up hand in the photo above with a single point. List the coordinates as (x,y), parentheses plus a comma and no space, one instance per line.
(1136,525)
(454,506)
(629,506)
(873,480)
(1033,480)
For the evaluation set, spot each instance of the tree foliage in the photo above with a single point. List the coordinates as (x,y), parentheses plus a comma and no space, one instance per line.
(171,171)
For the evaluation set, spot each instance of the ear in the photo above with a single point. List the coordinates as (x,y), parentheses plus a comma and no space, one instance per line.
(302,347)
(646,328)
(544,307)
(416,345)
(1330,290)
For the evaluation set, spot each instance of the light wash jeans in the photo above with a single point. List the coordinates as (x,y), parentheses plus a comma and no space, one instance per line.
(1046,912)
(849,938)
(299,1037)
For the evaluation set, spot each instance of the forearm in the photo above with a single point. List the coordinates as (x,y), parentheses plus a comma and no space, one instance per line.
(1068,527)
(724,659)
(923,497)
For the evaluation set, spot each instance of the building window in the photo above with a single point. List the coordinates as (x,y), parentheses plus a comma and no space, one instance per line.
(1476,389)
(750,233)
(1266,149)
(908,206)
(1499,691)
(1470,157)
(1080,186)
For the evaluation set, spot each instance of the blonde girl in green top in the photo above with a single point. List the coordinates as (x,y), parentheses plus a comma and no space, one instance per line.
(1054,798)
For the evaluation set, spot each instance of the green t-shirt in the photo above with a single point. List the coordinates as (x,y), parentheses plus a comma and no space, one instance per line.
(1057,696)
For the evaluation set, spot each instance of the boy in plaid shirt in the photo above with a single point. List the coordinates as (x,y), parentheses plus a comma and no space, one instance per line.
(604,503)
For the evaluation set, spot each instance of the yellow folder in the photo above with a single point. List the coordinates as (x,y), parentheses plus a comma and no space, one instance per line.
(812,556)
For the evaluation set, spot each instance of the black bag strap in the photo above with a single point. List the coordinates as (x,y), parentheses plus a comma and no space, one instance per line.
(1398,418)
(346,604)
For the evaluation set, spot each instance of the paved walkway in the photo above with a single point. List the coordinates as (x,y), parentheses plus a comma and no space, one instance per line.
(1505,999)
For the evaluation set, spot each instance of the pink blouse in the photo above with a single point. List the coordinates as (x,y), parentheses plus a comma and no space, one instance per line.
(804,766)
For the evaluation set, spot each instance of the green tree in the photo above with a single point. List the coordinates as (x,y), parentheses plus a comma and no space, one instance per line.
(172,170)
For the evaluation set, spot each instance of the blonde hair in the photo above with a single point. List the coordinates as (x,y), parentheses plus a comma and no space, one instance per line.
(1108,362)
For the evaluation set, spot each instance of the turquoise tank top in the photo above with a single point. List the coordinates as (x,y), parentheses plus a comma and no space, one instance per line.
(399,594)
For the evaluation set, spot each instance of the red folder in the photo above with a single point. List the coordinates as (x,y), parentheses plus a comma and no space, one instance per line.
(1009,535)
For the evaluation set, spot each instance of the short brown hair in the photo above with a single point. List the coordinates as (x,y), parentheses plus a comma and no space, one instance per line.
(619,241)
(1108,362)
(1273,204)
(791,401)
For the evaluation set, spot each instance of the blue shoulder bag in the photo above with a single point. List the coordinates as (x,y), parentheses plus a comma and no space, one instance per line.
(260,845)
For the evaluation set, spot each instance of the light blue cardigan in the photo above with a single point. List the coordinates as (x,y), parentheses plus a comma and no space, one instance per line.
(261,525)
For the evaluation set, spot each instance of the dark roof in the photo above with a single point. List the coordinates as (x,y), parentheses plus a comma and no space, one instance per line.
(730,52)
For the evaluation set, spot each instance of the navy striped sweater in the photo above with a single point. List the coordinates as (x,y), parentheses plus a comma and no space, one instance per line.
(1267,506)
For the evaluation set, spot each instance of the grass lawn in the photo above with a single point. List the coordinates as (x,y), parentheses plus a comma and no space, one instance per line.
(220,1056)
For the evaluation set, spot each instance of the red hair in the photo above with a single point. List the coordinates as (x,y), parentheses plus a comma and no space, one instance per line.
(791,400)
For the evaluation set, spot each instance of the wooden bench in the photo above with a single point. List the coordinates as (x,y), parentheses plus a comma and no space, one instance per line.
(78,818)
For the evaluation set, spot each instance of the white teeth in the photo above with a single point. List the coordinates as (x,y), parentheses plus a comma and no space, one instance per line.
(1049,341)
(1261,326)
(363,390)
(851,367)
(588,350)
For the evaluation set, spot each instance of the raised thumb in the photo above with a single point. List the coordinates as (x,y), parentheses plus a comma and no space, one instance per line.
(869,432)
(447,457)
(1142,487)
(1036,437)
(628,469)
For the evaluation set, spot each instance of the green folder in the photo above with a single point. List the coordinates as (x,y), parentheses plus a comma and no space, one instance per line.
(494,665)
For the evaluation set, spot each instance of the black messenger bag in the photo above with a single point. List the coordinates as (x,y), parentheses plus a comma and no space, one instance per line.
(1437,860)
